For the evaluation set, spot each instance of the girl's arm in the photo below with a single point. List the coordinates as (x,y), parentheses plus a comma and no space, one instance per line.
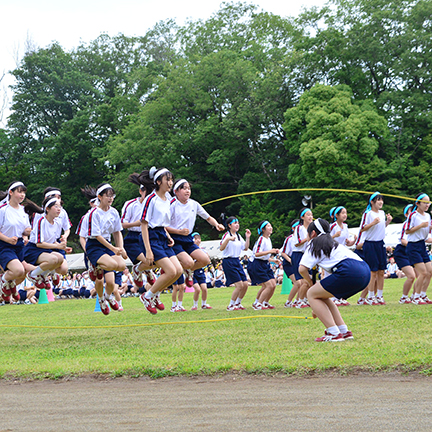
(45,245)
(213,222)
(118,239)
(417,227)
(248,236)
(183,231)
(304,271)
(271,251)
(10,240)
(127,225)
(227,239)
(170,239)
(302,242)
(83,243)
(376,221)
(285,257)
(146,241)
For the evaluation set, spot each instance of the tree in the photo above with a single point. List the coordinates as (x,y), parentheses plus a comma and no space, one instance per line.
(337,142)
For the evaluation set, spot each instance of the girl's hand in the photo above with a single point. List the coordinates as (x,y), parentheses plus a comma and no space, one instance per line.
(149,257)
(220,227)
(123,254)
(389,217)
(13,240)
(184,232)
(170,241)
(376,221)
(231,238)
(68,250)
(248,233)
(338,234)
(275,251)
(424,224)
(116,250)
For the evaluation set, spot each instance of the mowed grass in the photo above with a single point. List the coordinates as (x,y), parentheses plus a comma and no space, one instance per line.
(386,338)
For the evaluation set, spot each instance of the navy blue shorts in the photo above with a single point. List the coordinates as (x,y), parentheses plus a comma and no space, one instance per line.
(180,280)
(159,243)
(295,260)
(95,249)
(351,277)
(22,294)
(375,255)
(134,245)
(288,268)
(10,252)
(199,276)
(260,271)
(183,244)
(233,271)
(400,256)
(32,252)
(417,252)
(360,253)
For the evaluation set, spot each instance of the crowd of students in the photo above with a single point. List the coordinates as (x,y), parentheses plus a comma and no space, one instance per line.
(166,253)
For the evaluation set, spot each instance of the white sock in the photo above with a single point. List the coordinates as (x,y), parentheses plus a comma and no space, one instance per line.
(232,302)
(149,295)
(256,301)
(343,328)
(203,302)
(371,294)
(195,303)
(404,296)
(334,330)
(37,271)
(180,303)
(423,294)
(380,293)
(238,301)
(416,295)
(174,304)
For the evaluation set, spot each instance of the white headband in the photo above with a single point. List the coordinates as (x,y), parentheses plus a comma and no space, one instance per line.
(179,183)
(93,200)
(320,228)
(52,200)
(102,188)
(13,186)
(53,192)
(159,173)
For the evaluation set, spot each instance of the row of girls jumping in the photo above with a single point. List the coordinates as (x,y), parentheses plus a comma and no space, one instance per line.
(159,236)
(319,243)
(47,229)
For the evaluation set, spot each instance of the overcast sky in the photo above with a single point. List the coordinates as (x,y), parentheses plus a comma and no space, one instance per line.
(71,22)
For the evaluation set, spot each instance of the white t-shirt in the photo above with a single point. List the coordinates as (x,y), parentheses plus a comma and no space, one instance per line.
(262,244)
(288,245)
(233,248)
(13,222)
(184,215)
(156,211)
(82,228)
(337,255)
(415,219)
(377,232)
(44,232)
(63,219)
(344,233)
(103,223)
(132,212)
(300,233)
(403,234)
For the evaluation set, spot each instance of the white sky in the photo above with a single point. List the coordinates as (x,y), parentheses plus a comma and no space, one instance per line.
(72,22)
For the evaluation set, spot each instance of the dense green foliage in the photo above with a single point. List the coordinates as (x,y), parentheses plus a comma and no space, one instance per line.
(338,97)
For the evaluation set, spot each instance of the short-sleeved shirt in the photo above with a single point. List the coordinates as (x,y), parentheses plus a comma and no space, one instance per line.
(262,244)
(13,222)
(44,232)
(103,223)
(233,248)
(156,211)
(132,212)
(344,233)
(376,232)
(300,233)
(414,219)
(184,215)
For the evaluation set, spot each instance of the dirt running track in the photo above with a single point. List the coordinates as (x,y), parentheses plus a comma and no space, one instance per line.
(389,402)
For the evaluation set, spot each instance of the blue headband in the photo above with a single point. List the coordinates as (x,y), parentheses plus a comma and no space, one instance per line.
(407,208)
(336,211)
(417,200)
(331,212)
(233,221)
(304,212)
(295,224)
(195,234)
(369,206)
(262,226)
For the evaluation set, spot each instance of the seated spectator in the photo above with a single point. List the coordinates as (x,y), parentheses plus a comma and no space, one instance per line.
(392,271)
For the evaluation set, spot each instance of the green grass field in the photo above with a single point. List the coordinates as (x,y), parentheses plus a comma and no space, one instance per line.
(386,338)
